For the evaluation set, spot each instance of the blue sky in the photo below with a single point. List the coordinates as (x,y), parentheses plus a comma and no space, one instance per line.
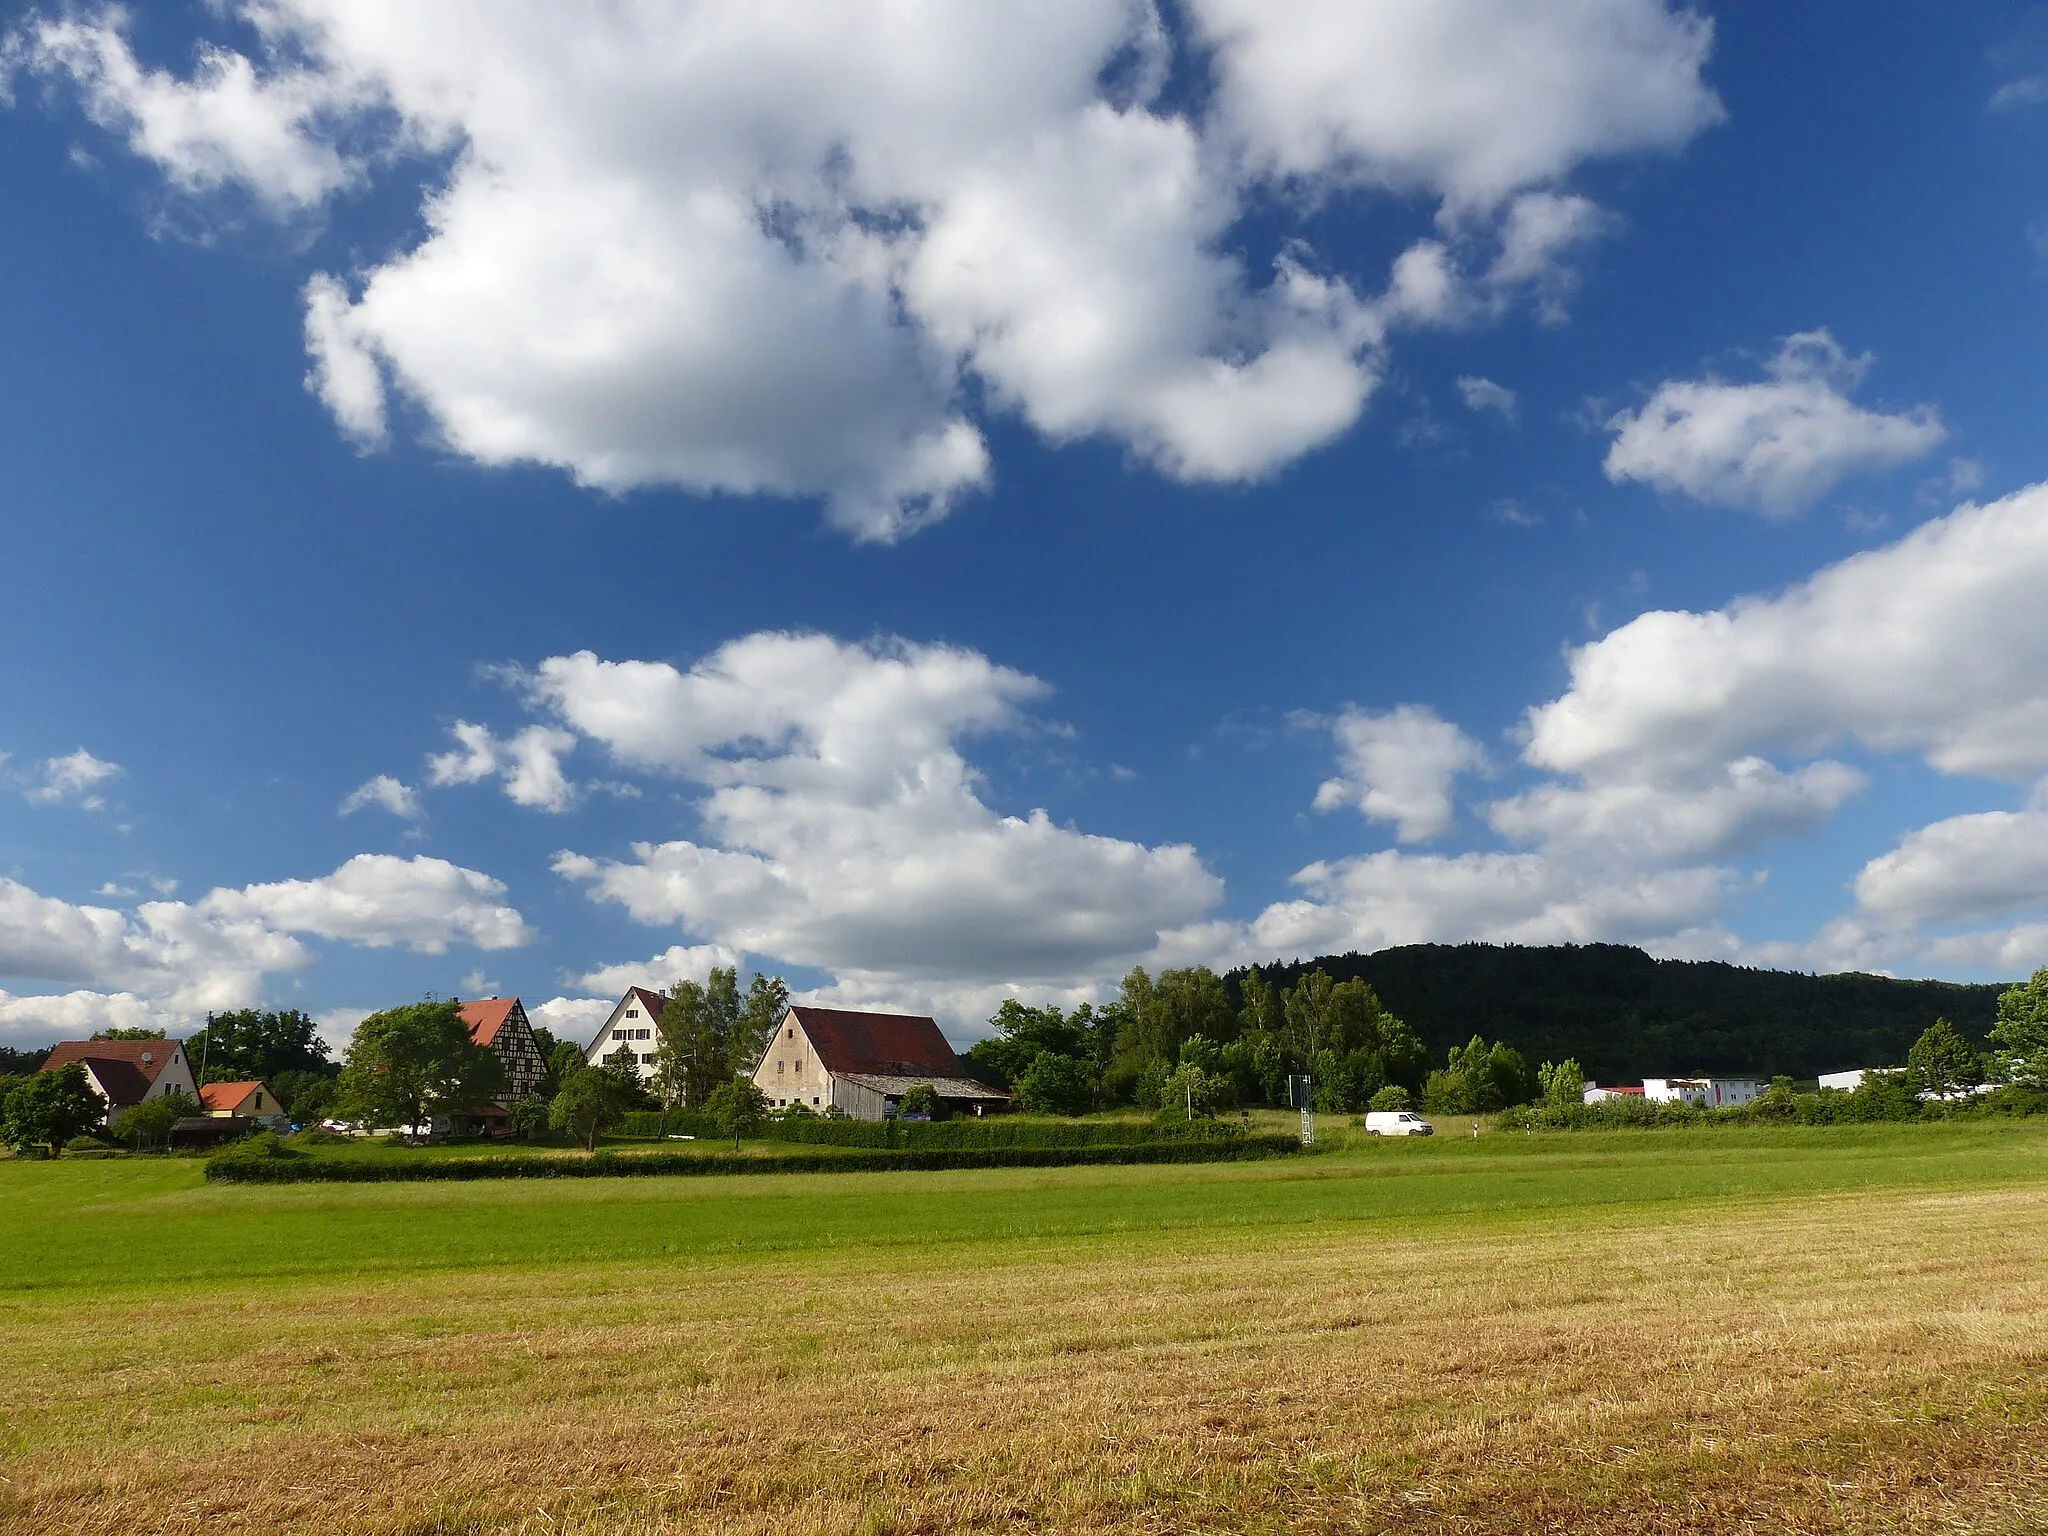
(953,506)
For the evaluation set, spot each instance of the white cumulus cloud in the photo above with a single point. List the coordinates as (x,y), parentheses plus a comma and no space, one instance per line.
(72,780)
(843,827)
(1776,446)
(1481,394)
(380,900)
(1934,645)
(679,962)
(398,798)
(1399,767)
(529,763)
(800,249)
(168,961)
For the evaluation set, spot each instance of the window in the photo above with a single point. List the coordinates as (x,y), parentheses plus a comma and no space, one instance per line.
(632,1013)
(778,1068)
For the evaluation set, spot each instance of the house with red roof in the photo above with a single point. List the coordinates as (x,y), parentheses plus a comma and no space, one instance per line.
(245,1101)
(863,1063)
(500,1025)
(128,1072)
(634,1027)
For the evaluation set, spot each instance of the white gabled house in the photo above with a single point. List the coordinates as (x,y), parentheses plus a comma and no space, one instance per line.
(128,1072)
(634,1026)
(863,1063)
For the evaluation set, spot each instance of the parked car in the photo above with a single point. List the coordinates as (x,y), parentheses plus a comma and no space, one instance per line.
(1397,1122)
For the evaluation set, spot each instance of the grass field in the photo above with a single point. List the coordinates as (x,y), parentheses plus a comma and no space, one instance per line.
(1754,1330)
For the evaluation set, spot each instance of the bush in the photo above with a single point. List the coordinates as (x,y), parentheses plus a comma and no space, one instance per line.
(1391,1097)
(1056,1085)
(923,1099)
(271,1170)
(317,1136)
(260,1150)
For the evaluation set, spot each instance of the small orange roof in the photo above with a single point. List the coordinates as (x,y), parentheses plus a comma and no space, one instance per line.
(226,1097)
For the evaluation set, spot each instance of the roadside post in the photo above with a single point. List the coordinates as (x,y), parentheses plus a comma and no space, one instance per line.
(1301,1089)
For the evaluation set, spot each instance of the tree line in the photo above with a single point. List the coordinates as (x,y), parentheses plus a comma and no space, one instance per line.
(1188,1038)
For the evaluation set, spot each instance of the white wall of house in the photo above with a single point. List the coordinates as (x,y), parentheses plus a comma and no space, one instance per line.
(1846,1082)
(1736,1090)
(1676,1090)
(790,1072)
(1707,1092)
(175,1078)
(630,1027)
(1594,1094)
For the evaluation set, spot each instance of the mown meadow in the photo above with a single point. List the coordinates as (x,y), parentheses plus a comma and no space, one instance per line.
(1790,1328)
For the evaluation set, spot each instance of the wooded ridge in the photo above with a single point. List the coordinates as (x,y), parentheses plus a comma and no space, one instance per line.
(1623,1015)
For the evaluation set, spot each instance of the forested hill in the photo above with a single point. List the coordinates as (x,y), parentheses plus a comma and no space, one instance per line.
(1625,1016)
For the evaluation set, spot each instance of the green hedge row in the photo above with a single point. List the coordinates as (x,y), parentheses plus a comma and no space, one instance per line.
(1879,1099)
(962,1133)
(239,1168)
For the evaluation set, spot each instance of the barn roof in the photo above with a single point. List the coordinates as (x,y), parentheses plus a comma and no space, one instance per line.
(485,1016)
(884,1044)
(895,1085)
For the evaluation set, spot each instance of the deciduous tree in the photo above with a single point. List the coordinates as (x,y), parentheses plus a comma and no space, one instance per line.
(736,1107)
(1942,1061)
(407,1065)
(49,1109)
(2021,1033)
(590,1101)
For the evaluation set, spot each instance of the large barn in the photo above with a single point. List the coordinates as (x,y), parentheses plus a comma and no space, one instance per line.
(863,1064)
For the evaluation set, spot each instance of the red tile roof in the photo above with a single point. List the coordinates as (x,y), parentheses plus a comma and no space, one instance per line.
(891,1043)
(485,1016)
(149,1057)
(227,1097)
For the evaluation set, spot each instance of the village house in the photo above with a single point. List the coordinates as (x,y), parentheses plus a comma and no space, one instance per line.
(1594,1094)
(241,1101)
(500,1024)
(128,1072)
(863,1063)
(1705,1092)
(633,1028)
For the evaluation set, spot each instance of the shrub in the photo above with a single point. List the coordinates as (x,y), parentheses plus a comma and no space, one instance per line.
(262,1170)
(1056,1085)
(923,1099)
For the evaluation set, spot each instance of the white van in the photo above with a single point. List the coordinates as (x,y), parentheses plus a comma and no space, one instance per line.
(1397,1122)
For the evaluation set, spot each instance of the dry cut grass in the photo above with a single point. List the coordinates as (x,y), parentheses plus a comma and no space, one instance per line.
(1832,1363)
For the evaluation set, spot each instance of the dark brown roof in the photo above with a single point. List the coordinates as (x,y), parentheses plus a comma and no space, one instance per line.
(485,1016)
(123,1082)
(887,1043)
(149,1057)
(652,1001)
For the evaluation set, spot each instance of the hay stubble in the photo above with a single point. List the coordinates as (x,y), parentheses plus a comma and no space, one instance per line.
(1859,1361)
